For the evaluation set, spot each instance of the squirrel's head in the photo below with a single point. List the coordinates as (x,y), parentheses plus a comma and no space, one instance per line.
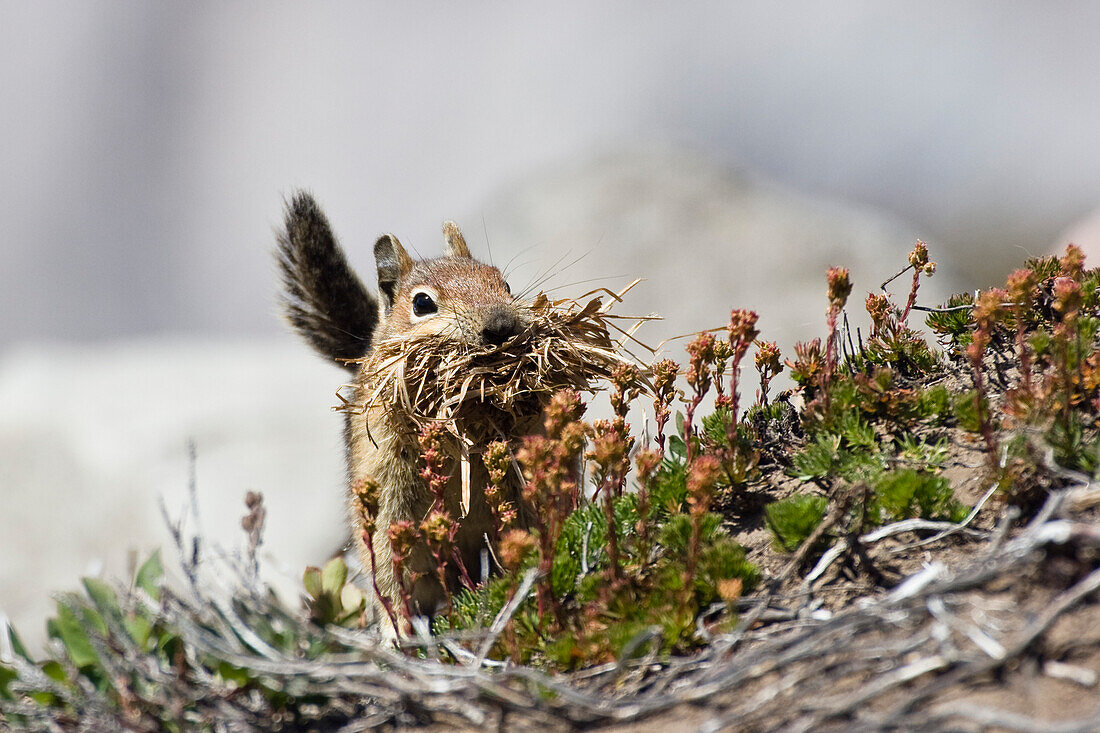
(454,295)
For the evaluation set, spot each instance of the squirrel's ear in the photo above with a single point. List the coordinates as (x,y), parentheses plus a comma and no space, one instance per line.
(456,243)
(394,264)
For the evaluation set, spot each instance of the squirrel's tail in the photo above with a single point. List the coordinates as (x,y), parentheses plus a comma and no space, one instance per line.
(322,296)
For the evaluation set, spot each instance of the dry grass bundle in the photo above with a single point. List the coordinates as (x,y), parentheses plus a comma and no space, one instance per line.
(484,393)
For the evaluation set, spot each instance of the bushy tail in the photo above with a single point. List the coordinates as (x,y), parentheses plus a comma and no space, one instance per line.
(322,296)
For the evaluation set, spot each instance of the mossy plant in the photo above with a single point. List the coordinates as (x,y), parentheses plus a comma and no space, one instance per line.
(906,493)
(792,520)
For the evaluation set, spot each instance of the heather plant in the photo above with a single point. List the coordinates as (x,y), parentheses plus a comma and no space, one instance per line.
(769,365)
(1030,351)
(620,567)
(793,520)
(610,565)
(878,385)
(1037,335)
(892,344)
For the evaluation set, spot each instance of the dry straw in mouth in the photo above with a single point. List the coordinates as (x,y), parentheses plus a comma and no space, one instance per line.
(483,393)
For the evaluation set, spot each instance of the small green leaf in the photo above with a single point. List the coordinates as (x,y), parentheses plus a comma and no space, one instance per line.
(794,519)
(139,628)
(7,674)
(54,671)
(311,579)
(333,576)
(68,628)
(352,599)
(149,575)
(236,676)
(17,645)
(44,699)
(103,596)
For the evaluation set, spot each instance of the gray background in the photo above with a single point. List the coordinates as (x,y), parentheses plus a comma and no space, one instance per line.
(145,145)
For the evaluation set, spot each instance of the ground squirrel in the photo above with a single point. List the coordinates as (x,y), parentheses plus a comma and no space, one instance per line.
(455,296)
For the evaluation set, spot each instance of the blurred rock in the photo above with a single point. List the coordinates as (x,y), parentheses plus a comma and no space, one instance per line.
(705,238)
(149,143)
(91,438)
(1085,233)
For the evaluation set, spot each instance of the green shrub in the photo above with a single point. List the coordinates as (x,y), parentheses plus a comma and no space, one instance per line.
(907,493)
(794,519)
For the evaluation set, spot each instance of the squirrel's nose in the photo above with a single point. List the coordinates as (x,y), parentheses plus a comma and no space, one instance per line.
(500,325)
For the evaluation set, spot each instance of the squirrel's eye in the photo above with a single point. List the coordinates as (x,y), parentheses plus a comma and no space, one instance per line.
(423,304)
(507,288)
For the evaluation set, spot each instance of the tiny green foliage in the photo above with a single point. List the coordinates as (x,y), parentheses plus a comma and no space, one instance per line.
(1071,448)
(964,408)
(70,630)
(609,619)
(668,490)
(473,608)
(907,493)
(7,676)
(876,395)
(830,456)
(864,424)
(1034,363)
(1090,290)
(952,322)
(735,443)
(903,350)
(921,452)
(333,600)
(665,583)
(933,403)
(581,553)
(721,559)
(1043,267)
(1039,341)
(771,412)
(793,519)
(149,575)
(820,458)
(856,432)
